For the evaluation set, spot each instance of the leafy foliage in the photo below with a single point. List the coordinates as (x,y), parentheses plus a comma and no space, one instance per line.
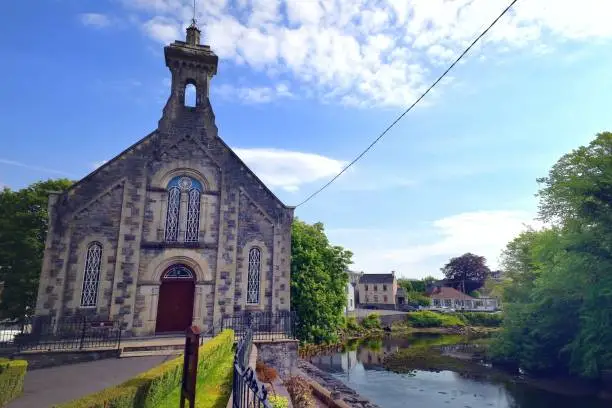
(12,375)
(276,401)
(318,282)
(482,319)
(371,321)
(300,392)
(558,294)
(428,318)
(418,299)
(23,230)
(467,272)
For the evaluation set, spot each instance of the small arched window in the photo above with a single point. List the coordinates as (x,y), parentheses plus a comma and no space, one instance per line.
(190,95)
(91,276)
(254,273)
(191,220)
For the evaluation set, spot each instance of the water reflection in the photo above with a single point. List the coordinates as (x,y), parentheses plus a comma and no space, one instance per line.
(361,367)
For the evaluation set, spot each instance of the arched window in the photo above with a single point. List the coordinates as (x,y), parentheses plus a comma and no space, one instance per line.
(190,95)
(192,189)
(254,273)
(178,272)
(91,277)
(192,231)
(172,216)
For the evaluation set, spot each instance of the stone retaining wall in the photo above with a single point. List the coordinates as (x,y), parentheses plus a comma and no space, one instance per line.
(280,354)
(338,389)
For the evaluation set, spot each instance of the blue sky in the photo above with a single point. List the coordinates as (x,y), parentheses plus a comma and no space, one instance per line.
(304,86)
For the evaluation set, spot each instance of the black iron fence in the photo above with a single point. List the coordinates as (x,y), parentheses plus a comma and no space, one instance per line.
(263,325)
(44,333)
(246,390)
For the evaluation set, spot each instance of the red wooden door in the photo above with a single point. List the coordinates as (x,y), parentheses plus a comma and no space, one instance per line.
(175,306)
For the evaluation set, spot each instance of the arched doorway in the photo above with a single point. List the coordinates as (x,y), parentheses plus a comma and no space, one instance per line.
(175,305)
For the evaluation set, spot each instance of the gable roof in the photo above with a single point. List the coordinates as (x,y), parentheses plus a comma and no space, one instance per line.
(377,278)
(449,293)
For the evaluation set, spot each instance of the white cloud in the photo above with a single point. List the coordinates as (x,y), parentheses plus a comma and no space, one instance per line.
(98,163)
(288,169)
(35,168)
(363,52)
(262,94)
(425,249)
(95,20)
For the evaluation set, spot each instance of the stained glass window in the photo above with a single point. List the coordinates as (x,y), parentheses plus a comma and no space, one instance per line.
(254,272)
(193,216)
(172,217)
(91,277)
(178,272)
(191,220)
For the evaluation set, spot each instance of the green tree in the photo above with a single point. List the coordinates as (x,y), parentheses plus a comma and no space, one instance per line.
(318,282)
(23,230)
(405,284)
(467,272)
(558,294)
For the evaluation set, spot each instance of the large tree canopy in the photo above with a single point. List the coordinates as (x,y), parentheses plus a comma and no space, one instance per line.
(318,282)
(23,230)
(558,291)
(467,272)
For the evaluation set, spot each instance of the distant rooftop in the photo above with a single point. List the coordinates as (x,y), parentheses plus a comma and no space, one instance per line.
(377,278)
(449,293)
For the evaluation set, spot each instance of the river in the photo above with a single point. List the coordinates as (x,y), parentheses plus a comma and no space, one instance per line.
(361,368)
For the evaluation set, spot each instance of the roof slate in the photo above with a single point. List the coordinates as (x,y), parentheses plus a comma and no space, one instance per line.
(449,293)
(377,278)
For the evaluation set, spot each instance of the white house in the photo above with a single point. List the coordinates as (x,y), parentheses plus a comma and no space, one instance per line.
(350,298)
(450,298)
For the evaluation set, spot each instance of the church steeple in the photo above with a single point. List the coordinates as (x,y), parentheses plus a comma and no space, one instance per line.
(190,63)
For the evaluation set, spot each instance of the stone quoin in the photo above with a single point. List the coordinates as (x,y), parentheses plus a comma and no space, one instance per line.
(174,231)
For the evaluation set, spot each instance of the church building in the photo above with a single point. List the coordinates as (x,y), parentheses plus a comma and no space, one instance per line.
(174,231)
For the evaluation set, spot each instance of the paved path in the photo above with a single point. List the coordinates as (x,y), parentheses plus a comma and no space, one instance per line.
(56,385)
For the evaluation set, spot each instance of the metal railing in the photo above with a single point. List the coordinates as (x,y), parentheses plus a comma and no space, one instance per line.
(45,333)
(264,325)
(247,392)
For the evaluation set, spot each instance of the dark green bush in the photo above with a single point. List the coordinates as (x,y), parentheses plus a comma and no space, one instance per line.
(149,389)
(428,318)
(12,374)
(371,321)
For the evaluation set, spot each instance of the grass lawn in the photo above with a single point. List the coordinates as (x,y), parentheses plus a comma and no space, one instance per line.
(214,387)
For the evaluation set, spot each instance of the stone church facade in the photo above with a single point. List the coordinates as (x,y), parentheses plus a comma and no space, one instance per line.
(176,230)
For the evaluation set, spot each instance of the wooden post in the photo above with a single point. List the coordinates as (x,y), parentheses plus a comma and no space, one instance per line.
(190,366)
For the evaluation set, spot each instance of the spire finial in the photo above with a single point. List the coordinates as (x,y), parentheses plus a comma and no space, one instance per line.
(193,32)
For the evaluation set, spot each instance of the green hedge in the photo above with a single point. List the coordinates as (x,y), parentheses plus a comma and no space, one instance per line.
(148,390)
(483,319)
(428,318)
(12,374)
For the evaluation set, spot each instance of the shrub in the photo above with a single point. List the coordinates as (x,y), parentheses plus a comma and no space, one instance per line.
(351,324)
(300,392)
(12,373)
(371,321)
(428,318)
(149,389)
(483,319)
(418,298)
(266,374)
(276,401)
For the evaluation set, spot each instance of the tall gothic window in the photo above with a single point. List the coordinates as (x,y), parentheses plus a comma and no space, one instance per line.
(254,273)
(91,277)
(191,189)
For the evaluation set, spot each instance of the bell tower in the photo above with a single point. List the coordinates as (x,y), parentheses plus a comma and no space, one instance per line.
(190,63)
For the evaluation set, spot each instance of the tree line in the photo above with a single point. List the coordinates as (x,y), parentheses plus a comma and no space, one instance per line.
(558,287)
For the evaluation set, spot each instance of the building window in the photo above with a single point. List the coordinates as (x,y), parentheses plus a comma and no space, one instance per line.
(254,273)
(447,302)
(91,277)
(191,189)
(385,298)
(351,302)
(192,232)
(172,216)
(375,288)
(384,287)
(366,287)
(436,302)
(375,298)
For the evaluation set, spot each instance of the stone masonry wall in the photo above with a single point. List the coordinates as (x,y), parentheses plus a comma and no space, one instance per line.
(281,354)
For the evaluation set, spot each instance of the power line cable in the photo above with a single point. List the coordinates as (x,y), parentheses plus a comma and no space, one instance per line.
(310,197)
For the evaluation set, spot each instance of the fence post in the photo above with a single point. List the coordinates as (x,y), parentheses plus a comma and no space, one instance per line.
(190,366)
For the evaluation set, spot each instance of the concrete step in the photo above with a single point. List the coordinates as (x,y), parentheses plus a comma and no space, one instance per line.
(153,350)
